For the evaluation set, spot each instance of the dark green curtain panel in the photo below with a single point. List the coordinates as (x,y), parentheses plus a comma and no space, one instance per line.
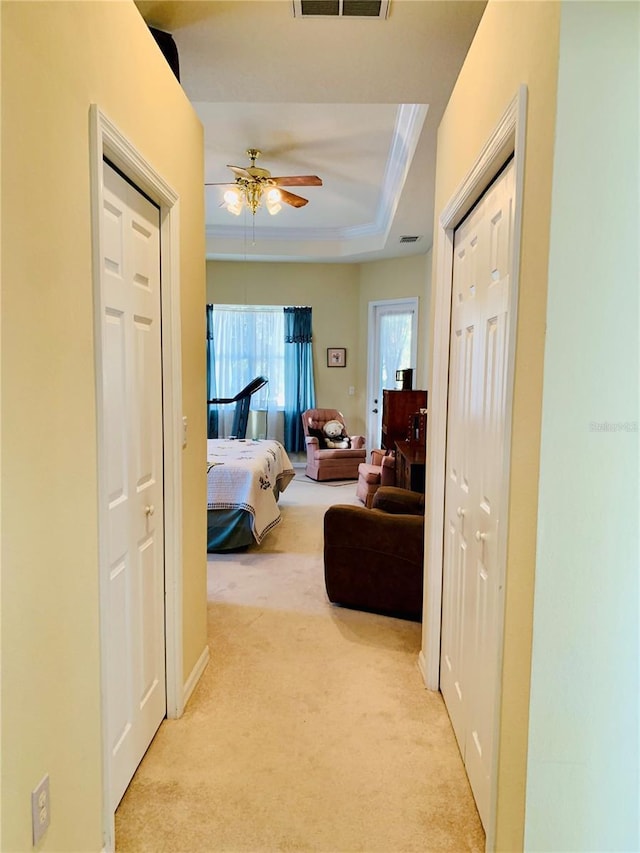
(212,411)
(299,389)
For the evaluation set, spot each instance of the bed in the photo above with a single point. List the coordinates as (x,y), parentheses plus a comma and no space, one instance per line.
(244,481)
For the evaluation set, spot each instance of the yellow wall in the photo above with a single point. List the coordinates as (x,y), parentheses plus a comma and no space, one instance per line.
(332,292)
(58,58)
(395,279)
(516,43)
(339,295)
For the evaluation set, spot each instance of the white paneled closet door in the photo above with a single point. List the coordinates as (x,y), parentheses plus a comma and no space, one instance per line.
(483,246)
(133,479)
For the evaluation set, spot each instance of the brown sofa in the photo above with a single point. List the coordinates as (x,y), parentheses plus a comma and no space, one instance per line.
(374,558)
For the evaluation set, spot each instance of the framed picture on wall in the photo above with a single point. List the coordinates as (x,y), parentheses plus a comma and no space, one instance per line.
(336,357)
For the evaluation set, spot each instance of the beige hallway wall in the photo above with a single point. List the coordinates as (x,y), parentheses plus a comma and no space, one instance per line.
(583,761)
(58,58)
(516,43)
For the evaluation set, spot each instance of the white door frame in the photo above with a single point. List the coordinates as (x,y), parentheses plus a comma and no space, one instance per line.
(507,138)
(410,302)
(107,141)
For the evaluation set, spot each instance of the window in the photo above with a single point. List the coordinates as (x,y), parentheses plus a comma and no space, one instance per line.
(248,342)
(395,345)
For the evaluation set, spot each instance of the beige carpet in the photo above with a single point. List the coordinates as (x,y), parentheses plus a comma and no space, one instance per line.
(310,730)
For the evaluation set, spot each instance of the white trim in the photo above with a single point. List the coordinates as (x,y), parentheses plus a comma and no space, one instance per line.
(422,666)
(507,138)
(410,119)
(107,141)
(195,675)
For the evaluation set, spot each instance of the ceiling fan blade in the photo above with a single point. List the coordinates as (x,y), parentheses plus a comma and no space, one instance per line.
(240,172)
(292,199)
(223,184)
(298,181)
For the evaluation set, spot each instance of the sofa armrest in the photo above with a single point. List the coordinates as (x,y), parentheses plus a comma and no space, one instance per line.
(312,444)
(388,470)
(397,501)
(357,442)
(377,456)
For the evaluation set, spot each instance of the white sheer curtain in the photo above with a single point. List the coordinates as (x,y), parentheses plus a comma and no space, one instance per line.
(249,342)
(395,345)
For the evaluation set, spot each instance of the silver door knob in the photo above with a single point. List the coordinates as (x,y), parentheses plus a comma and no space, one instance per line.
(149,510)
(460,512)
(480,537)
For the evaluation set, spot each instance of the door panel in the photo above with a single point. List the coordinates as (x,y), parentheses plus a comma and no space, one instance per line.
(132,412)
(452,682)
(460,456)
(475,435)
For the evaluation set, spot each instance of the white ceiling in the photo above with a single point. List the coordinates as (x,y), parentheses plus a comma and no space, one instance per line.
(355,101)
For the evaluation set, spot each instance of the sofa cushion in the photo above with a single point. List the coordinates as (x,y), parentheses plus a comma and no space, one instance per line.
(337,453)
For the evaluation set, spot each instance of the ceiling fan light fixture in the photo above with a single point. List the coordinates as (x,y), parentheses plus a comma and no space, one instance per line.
(273,201)
(250,194)
(233,202)
(253,184)
(232,197)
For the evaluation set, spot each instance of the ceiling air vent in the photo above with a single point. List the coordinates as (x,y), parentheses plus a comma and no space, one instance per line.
(409,239)
(341,8)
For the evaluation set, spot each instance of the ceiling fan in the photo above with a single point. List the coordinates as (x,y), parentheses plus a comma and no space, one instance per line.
(252,183)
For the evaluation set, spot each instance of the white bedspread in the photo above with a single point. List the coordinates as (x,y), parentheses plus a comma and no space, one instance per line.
(242,473)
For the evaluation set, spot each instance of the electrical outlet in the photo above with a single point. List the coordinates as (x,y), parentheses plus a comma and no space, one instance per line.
(40,809)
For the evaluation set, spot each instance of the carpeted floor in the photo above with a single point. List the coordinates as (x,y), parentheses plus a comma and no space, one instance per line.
(310,730)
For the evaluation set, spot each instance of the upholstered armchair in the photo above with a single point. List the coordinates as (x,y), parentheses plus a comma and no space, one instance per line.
(374,558)
(330,463)
(379,471)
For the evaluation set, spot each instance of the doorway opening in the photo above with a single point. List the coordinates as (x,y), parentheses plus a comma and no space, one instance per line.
(507,139)
(108,143)
(393,346)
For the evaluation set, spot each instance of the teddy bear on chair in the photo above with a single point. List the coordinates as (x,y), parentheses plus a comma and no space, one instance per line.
(335,436)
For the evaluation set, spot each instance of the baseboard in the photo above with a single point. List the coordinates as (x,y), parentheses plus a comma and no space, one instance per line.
(195,675)
(422,666)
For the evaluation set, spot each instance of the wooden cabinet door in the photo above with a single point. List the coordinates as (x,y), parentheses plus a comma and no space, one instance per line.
(397,406)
